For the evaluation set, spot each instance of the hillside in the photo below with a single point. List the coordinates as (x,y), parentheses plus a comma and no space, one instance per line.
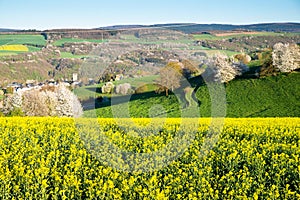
(194,28)
(62,52)
(265,97)
(276,96)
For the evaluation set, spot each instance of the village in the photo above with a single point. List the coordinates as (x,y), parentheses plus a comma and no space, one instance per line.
(34,84)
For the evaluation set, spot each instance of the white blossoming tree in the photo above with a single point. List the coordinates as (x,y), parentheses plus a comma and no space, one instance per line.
(48,101)
(286,57)
(221,69)
(123,89)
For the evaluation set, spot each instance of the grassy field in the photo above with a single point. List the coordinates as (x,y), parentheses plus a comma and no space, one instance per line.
(10,53)
(56,158)
(265,97)
(22,39)
(71,40)
(86,92)
(70,55)
(213,37)
(15,44)
(14,52)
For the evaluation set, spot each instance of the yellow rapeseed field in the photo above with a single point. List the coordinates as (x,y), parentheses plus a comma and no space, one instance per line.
(56,158)
(13,47)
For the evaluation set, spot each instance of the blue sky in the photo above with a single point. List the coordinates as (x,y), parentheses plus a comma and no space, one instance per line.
(41,14)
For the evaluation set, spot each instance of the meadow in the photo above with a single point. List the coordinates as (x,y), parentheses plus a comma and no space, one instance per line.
(62,41)
(70,55)
(56,158)
(22,39)
(264,97)
(215,37)
(15,44)
(92,91)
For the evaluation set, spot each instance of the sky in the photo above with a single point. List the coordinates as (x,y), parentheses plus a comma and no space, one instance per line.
(42,14)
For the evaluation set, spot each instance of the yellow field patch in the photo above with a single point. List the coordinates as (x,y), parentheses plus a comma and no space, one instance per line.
(64,158)
(13,47)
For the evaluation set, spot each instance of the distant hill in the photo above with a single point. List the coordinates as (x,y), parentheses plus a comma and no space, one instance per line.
(186,27)
(194,28)
(7,30)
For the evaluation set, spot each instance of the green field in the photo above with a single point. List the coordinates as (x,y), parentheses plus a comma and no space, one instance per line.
(71,40)
(70,55)
(265,97)
(86,92)
(213,37)
(22,39)
(31,41)
(33,49)
(10,53)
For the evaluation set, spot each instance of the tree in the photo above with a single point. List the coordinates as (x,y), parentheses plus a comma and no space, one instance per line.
(189,69)
(244,58)
(67,103)
(11,102)
(170,77)
(108,87)
(267,68)
(286,57)
(220,69)
(123,89)
(47,101)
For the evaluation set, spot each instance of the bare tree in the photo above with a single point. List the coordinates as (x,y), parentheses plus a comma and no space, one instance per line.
(170,77)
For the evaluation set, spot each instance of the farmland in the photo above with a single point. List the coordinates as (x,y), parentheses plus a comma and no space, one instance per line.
(13,48)
(72,40)
(265,97)
(15,44)
(229,35)
(47,158)
(154,152)
(22,39)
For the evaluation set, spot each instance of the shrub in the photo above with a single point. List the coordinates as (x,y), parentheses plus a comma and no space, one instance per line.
(108,88)
(142,89)
(267,68)
(123,89)
(12,101)
(10,90)
(244,58)
(15,112)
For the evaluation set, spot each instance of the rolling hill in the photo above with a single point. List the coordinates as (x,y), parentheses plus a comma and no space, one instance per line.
(194,28)
(264,97)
